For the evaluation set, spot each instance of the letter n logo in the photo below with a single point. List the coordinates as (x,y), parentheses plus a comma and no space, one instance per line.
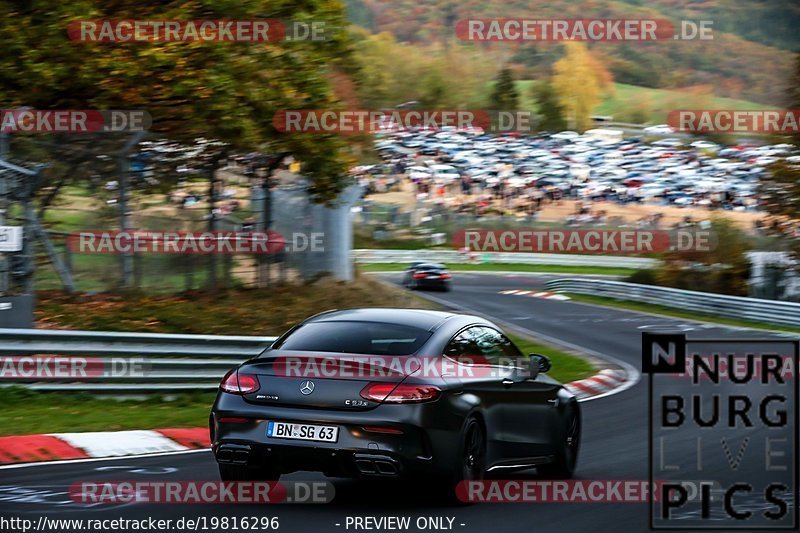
(663,353)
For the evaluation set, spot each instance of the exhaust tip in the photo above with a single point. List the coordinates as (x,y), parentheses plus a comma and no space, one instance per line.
(386,468)
(241,456)
(377,466)
(366,467)
(228,453)
(224,456)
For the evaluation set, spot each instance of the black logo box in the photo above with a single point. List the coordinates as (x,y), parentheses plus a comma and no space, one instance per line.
(666,353)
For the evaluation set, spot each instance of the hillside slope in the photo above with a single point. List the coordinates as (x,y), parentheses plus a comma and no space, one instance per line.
(749,58)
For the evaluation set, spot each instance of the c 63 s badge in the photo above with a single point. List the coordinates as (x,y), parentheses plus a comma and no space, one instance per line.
(356,403)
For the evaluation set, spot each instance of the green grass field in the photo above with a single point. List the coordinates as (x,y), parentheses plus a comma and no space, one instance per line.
(662,101)
(27,412)
(566,367)
(659,101)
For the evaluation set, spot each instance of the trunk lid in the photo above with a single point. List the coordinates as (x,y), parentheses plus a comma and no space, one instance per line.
(320,380)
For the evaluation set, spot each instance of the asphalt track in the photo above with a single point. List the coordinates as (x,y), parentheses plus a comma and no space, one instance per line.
(614,446)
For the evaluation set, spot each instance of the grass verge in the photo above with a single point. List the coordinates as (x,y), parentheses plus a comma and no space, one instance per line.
(232,312)
(510,267)
(677,313)
(566,366)
(28,412)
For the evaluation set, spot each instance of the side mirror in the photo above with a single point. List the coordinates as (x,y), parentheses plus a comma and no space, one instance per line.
(539,363)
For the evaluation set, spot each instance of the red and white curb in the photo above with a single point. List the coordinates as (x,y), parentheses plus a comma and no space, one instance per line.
(536,294)
(36,448)
(601,383)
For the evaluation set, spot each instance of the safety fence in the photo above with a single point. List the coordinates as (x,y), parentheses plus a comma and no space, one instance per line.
(132,362)
(770,311)
(454,256)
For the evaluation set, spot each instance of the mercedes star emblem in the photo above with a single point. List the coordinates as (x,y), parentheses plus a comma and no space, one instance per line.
(307,387)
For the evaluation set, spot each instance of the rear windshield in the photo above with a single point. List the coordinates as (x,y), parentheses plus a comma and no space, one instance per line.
(368,338)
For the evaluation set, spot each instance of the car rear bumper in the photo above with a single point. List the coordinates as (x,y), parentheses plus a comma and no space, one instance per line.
(415,439)
(337,462)
(432,283)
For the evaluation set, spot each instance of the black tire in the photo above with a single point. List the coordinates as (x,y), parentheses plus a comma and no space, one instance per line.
(247,473)
(569,443)
(473,452)
(471,462)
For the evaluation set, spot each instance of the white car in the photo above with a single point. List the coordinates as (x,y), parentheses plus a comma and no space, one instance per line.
(659,129)
(671,142)
(705,145)
(565,135)
(419,173)
(765,160)
(445,172)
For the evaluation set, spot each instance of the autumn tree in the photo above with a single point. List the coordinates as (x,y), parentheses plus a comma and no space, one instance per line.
(551,113)
(504,95)
(793,92)
(227,91)
(779,191)
(579,81)
(779,188)
(724,269)
(390,72)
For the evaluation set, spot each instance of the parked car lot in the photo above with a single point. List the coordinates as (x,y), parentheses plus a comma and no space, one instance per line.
(669,171)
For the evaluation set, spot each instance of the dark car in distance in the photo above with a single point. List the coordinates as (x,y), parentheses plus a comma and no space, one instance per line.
(394,413)
(424,275)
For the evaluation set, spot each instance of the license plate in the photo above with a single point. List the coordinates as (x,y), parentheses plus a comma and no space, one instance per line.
(286,430)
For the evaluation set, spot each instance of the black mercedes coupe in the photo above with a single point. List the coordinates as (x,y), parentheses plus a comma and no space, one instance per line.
(402,393)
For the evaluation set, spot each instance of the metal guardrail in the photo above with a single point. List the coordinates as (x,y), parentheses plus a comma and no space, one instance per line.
(769,311)
(172,362)
(456,257)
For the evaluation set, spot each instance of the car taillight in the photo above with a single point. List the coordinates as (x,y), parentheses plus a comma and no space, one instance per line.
(236,383)
(445,276)
(403,393)
(420,275)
